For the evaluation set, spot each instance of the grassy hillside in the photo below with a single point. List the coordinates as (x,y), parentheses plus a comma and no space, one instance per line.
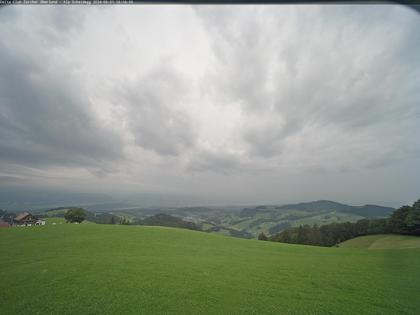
(110,269)
(245,222)
(383,241)
(272,220)
(249,222)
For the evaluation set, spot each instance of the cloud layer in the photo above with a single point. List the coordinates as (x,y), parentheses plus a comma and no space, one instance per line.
(252,103)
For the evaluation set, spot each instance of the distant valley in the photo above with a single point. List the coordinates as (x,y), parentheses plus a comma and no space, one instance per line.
(245,222)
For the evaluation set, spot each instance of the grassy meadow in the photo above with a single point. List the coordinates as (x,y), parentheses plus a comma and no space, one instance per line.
(113,269)
(50,221)
(383,241)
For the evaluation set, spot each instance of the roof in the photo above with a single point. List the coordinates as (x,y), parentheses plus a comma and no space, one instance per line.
(23,215)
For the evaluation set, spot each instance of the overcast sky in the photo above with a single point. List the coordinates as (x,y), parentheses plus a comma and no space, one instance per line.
(234,104)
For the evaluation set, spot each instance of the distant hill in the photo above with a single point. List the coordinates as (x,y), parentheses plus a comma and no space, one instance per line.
(368,211)
(235,221)
(159,219)
(162,219)
(96,217)
(272,219)
(317,206)
(372,211)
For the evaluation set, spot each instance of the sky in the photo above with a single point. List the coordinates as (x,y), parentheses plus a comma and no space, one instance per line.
(225,104)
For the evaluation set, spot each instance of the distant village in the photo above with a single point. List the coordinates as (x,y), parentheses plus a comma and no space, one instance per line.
(22,219)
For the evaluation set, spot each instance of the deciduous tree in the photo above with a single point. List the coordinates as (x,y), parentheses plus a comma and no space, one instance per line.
(75,215)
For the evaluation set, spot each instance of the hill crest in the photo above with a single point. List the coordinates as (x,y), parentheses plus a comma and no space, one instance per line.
(367,210)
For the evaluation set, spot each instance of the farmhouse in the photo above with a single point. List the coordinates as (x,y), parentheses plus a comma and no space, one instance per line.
(27,219)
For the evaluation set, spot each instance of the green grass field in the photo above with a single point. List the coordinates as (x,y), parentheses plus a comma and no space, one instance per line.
(111,269)
(50,221)
(381,241)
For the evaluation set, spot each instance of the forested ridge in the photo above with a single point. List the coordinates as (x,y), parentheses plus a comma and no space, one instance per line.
(404,220)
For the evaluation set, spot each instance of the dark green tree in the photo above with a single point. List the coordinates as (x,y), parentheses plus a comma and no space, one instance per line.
(287,236)
(75,215)
(262,237)
(412,220)
(124,221)
(397,222)
(303,234)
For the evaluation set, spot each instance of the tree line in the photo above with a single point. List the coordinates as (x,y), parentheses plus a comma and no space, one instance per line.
(404,220)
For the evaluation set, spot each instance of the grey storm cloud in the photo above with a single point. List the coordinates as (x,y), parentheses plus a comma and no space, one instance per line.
(175,97)
(338,69)
(154,117)
(45,113)
(219,162)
